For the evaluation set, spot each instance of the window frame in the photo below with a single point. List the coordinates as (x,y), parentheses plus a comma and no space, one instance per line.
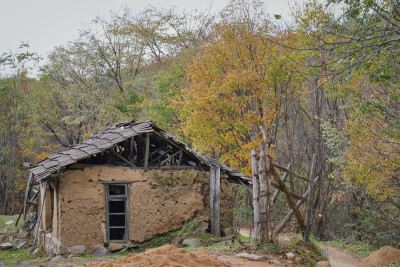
(109,198)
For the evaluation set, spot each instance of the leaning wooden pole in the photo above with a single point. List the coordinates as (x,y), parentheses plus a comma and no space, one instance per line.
(40,216)
(256,191)
(309,216)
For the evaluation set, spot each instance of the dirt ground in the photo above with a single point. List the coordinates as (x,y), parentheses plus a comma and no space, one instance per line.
(340,258)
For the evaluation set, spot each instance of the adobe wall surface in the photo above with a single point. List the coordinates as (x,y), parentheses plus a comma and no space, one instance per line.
(160,201)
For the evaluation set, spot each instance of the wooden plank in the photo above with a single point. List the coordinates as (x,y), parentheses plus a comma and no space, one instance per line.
(121,158)
(292,173)
(40,216)
(307,231)
(256,190)
(291,212)
(146,151)
(277,191)
(215,187)
(173,155)
(291,202)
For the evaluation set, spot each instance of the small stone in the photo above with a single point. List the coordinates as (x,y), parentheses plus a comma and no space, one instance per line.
(22,234)
(192,242)
(290,256)
(115,247)
(323,264)
(22,244)
(124,250)
(36,251)
(71,255)
(298,260)
(273,261)
(248,256)
(228,231)
(308,254)
(56,259)
(100,251)
(9,222)
(79,249)
(229,237)
(6,246)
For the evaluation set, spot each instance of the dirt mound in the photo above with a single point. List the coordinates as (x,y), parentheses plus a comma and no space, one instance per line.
(165,256)
(385,255)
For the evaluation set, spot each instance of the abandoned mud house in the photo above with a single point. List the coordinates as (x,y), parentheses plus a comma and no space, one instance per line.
(127,184)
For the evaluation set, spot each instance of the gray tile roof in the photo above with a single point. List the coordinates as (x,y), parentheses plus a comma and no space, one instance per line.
(113,135)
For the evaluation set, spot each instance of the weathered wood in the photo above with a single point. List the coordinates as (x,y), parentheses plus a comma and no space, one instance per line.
(291,212)
(131,148)
(173,155)
(146,151)
(290,200)
(180,158)
(215,187)
(256,205)
(40,215)
(121,158)
(28,190)
(307,231)
(154,160)
(291,172)
(277,190)
(263,198)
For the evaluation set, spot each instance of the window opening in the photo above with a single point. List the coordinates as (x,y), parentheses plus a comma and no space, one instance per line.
(117,212)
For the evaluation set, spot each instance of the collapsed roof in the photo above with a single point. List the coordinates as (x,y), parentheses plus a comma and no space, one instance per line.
(112,139)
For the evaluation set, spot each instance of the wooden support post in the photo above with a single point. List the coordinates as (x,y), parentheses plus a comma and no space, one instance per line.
(309,212)
(256,191)
(40,215)
(215,186)
(146,151)
(28,190)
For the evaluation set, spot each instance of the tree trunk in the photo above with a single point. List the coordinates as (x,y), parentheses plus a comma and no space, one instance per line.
(309,213)
(256,206)
(264,209)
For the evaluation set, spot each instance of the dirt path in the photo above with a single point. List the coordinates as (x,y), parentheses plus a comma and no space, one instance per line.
(340,258)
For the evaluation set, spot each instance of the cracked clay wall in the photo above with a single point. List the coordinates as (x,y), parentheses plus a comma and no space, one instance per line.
(159,201)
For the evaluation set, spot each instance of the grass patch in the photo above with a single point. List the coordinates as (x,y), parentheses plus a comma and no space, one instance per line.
(358,248)
(11,257)
(158,241)
(5,218)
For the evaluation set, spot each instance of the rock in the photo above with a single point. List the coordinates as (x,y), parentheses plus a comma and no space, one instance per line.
(248,256)
(123,251)
(228,231)
(230,237)
(79,250)
(273,261)
(298,260)
(22,244)
(9,222)
(5,246)
(323,264)
(115,247)
(192,242)
(224,243)
(56,259)
(201,227)
(36,251)
(22,234)
(100,251)
(290,256)
(71,256)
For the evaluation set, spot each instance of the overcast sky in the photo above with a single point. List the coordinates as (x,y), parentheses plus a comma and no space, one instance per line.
(48,23)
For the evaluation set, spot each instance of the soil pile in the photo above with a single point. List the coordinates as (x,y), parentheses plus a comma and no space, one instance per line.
(385,255)
(167,256)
